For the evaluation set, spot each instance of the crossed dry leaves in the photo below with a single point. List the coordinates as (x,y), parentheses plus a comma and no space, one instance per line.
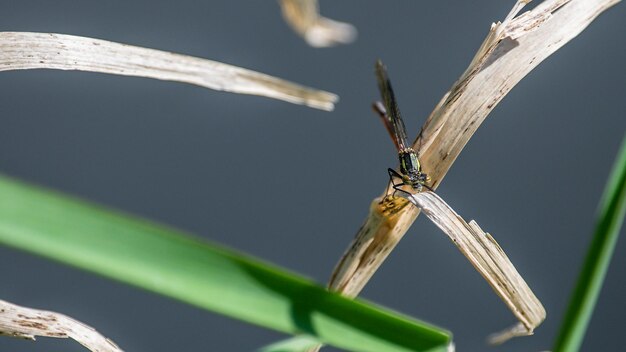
(511,50)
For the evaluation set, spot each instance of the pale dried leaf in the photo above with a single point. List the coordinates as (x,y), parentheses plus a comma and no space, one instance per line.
(303,16)
(24,50)
(26,323)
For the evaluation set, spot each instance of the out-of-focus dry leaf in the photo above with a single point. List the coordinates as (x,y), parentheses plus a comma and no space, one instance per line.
(24,50)
(26,323)
(304,17)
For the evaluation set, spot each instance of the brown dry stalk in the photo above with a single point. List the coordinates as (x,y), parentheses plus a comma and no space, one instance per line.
(510,51)
(24,50)
(304,18)
(26,323)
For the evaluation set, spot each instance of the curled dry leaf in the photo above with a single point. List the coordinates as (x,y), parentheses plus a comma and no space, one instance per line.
(26,323)
(482,250)
(304,17)
(509,52)
(24,50)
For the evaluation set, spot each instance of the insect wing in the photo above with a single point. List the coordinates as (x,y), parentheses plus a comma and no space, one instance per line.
(393,118)
(379,108)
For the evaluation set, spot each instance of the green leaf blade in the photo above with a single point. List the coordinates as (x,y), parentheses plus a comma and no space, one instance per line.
(585,295)
(174,264)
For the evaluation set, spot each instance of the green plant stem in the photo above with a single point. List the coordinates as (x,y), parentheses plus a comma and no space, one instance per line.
(585,295)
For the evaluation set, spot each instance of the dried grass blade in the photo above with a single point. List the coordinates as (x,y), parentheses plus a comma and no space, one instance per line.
(25,50)
(26,323)
(482,250)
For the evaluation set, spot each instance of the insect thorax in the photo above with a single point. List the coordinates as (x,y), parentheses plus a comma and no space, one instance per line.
(411,169)
(409,164)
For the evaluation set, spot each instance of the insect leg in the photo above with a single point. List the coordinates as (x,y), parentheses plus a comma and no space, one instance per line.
(396,186)
(428,187)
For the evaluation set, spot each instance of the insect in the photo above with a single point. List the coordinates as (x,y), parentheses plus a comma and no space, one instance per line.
(410,169)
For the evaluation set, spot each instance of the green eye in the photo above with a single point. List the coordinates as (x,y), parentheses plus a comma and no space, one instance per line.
(416,162)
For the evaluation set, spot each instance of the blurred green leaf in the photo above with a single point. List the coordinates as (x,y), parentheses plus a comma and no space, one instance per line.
(585,295)
(168,262)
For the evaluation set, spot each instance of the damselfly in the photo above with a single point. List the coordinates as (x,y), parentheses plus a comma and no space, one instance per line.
(410,169)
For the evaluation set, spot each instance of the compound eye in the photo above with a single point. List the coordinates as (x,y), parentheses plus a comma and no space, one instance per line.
(416,162)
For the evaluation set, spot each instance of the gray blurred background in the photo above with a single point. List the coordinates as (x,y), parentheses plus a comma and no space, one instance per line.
(532,175)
